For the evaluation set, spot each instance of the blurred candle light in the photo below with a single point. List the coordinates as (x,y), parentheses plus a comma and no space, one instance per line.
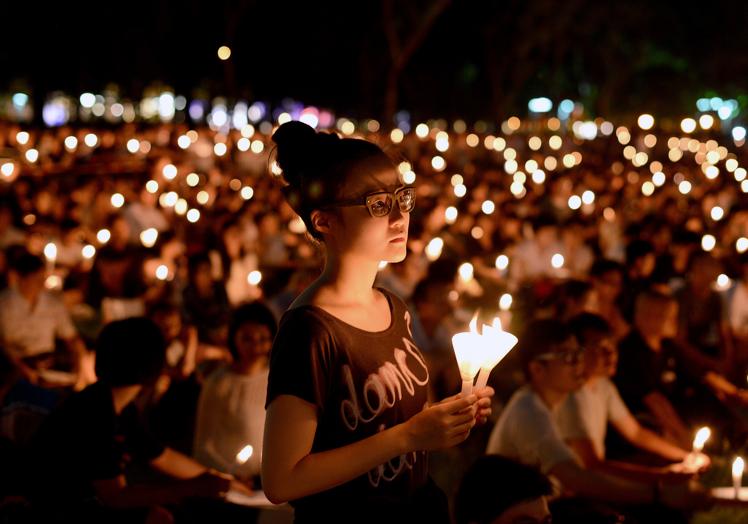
(50,253)
(737,475)
(450,215)
(741,245)
(557,261)
(162,272)
(224,52)
(103,236)
(254,277)
(118,200)
(434,248)
(502,262)
(88,251)
(7,169)
(702,435)
(505,302)
(708,242)
(466,271)
(149,236)
(193,215)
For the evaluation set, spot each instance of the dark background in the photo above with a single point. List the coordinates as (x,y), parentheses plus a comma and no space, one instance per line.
(470,59)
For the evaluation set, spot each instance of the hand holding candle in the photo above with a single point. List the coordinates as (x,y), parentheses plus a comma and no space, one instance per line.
(481,351)
(696,460)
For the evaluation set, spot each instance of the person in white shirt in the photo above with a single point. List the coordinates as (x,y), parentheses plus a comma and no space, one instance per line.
(584,416)
(528,431)
(32,318)
(231,409)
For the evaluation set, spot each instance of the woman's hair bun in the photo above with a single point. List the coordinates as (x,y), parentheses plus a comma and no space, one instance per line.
(302,153)
(295,146)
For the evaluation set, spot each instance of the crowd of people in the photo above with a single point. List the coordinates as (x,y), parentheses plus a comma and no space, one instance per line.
(145,270)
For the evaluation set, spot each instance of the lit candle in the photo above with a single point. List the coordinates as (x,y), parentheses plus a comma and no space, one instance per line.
(737,475)
(467,348)
(496,345)
(50,252)
(702,435)
(241,458)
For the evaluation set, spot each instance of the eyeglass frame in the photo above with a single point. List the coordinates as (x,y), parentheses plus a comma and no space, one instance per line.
(569,358)
(394,195)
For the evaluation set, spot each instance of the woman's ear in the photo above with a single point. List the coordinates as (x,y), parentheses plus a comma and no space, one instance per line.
(322,221)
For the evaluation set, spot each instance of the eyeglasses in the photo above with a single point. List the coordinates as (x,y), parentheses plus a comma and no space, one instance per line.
(380,203)
(569,358)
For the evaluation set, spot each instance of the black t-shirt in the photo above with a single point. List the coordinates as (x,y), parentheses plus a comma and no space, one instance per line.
(84,440)
(361,383)
(642,371)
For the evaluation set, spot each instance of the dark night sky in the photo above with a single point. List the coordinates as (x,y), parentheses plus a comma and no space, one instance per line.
(479,59)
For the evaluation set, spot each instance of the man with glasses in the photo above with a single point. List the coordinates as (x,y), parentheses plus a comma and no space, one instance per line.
(584,416)
(528,431)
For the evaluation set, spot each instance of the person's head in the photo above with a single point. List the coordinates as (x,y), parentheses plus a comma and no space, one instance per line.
(168,318)
(607,277)
(656,314)
(200,273)
(499,490)
(130,352)
(640,258)
(251,332)
(600,353)
(546,230)
(576,296)
(347,191)
(551,356)
(29,271)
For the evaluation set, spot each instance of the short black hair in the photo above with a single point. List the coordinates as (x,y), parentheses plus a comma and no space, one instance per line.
(255,312)
(493,484)
(130,352)
(27,264)
(540,336)
(602,266)
(585,323)
(638,249)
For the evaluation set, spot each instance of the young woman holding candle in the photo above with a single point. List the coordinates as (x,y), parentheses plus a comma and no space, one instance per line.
(348,423)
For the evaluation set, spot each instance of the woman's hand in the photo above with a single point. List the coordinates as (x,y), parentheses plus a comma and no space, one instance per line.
(484,395)
(442,425)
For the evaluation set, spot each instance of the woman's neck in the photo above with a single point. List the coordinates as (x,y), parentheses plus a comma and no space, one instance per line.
(350,278)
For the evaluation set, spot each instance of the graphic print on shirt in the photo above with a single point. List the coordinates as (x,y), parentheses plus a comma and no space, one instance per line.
(381,390)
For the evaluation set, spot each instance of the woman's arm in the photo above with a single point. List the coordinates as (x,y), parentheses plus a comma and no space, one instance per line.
(291,471)
(648,440)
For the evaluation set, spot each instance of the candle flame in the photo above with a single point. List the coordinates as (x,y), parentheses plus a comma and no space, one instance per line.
(738,466)
(702,435)
(244,454)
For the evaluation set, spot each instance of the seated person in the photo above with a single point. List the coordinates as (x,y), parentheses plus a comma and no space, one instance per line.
(655,376)
(527,429)
(498,490)
(83,449)
(32,318)
(231,409)
(584,416)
